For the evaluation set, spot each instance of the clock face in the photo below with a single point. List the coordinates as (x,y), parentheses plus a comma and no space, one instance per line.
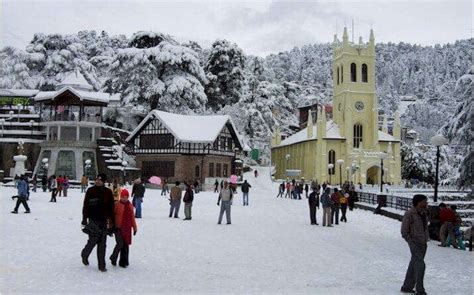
(359,105)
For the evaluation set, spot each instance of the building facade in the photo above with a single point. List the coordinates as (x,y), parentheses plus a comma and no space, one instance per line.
(349,146)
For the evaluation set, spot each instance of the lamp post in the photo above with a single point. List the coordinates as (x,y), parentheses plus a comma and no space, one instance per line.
(437,140)
(382,156)
(330,166)
(340,162)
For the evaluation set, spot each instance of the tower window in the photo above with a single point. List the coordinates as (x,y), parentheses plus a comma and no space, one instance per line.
(353,72)
(332,160)
(364,73)
(337,75)
(357,135)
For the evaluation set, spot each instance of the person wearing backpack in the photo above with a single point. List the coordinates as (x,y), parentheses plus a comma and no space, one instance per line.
(245,191)
(188,202)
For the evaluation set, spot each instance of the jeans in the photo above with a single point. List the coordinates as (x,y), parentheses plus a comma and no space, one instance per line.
(225,207)
(280,193)
(187,210)
(100,241)
(121,248)
(174,208)
(416,269)
(246,199)
(53,195)
(137,203)
(335,215)
(83,188)
(343,212)
(21,200)
(312,213)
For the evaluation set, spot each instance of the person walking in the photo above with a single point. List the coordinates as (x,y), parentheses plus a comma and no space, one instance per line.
(335,197)
(65,185)
(313,202)
(245,191)
(164,188)
(97,213)
(414,231)
(352,197)
(44,183)
(326,202)
(53,188)
(226,197)
(288,190)
(175,200)
(281,189)
(59,182)
(196,186)
(343,201)
(216,186)
(22,195)
(188,202)
(138,193)
(84,182)
(306,190)
(124,223)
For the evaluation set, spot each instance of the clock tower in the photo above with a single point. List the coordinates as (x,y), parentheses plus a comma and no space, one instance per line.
(355,101)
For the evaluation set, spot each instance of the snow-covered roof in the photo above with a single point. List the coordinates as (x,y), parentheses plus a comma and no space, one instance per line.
(332,132)
(75,80)
(411,131)
(386,137)
(18,92)
(189,128)
(83,95)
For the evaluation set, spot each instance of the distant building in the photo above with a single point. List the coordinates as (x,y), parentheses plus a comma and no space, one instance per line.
(186,147)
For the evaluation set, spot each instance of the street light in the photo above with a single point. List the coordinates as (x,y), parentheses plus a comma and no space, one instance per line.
(381,156)
(340,162)
(437,140)
(330,166)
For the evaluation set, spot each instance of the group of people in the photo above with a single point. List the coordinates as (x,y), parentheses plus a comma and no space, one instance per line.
(450,230)
(58,186)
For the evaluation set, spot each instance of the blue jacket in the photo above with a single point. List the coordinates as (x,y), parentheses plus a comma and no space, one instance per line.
(22,187)
(326,200)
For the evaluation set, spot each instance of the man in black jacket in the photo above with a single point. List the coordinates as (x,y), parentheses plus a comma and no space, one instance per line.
(138,192)
(188,201)
(313,201)
(245,191)
(97,214)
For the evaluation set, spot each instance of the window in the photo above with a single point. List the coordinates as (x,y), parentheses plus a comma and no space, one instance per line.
(224,170)
(158,168)
(364,73)
(337,75)
(357,135)
(197,171)
(353,72)
(218,170)
(211,169)
(156,141)
(229,144)
(66,164)
(223,142)
(332,160)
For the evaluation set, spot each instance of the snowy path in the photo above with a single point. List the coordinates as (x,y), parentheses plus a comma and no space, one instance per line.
(269,248)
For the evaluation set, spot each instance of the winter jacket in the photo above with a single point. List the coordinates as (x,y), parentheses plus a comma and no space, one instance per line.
(98,204)
(326,200)
(84,180)
(22,187)
(138,190)
(335,197)
(175,193)
(119,209)
(188,196)
(245,187)
(447,215)
(125,220)
(415,226)
(54,183)
(343,200)
(313,199)
(225,194)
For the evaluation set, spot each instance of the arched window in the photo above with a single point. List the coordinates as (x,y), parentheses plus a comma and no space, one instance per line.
(337,75)
(342,74)
(332,160)
(197,171)
(353,72)
(364,73)
(357,135)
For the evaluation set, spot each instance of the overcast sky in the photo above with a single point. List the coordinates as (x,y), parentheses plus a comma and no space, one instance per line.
(258,27)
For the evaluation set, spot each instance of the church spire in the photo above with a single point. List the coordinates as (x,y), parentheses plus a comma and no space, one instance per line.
(309,125)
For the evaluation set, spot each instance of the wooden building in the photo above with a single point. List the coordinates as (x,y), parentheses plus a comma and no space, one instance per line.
(186,148)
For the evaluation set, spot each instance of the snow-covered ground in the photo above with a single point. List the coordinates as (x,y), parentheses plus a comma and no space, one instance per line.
(270,248)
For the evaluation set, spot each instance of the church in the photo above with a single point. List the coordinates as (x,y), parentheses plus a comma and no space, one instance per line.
(343,142)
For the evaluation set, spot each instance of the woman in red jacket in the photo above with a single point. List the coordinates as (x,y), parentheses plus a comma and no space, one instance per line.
(124,223)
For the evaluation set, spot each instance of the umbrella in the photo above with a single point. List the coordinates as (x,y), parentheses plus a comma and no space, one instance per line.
(233,179)
(155,180)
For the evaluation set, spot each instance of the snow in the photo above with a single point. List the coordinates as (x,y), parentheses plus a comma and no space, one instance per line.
(332,132)
(18,92)
(386,137)
(270,248)
(189,128)
(75,80)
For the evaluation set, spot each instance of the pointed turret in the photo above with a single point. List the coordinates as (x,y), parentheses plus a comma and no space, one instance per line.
(309,125)
(345,37)
(372,40)
(385,125)
(396,126)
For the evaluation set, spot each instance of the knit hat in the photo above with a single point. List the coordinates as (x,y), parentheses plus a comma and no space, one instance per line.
(124,193)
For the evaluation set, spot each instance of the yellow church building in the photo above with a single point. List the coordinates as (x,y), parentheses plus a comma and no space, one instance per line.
(347,145)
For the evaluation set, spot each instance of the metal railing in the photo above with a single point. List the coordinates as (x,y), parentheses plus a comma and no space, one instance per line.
(396,202)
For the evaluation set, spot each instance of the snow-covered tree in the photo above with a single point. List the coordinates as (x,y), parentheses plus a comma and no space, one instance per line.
(415,164)
(14,71)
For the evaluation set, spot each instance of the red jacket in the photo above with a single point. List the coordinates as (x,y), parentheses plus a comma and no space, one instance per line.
(447,215)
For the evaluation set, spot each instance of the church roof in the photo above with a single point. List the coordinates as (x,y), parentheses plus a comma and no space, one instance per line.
(332,132)
(189,128)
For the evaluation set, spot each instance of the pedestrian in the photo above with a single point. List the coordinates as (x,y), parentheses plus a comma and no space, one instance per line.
(124,223)
(326,202)
(196,186)
(245,191)
(288,190)
(313,202)
(226,197)
(44,183)
(343,201)
(98,214)
(306,189)
(222,184)
(415,232)
(35,183)
(256,173)
(53,188)
(352,197)
(84,182)
(335,197)
(281,189)
(138,193)
(447,219)
(216,186)
(59,182)
(175,200)
(163,187)
(188,202)
(65,185)
(22,188)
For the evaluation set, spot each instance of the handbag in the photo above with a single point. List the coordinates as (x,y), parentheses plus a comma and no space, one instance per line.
(92,229)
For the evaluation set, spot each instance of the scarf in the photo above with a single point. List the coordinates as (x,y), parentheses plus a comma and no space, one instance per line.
(126,226)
